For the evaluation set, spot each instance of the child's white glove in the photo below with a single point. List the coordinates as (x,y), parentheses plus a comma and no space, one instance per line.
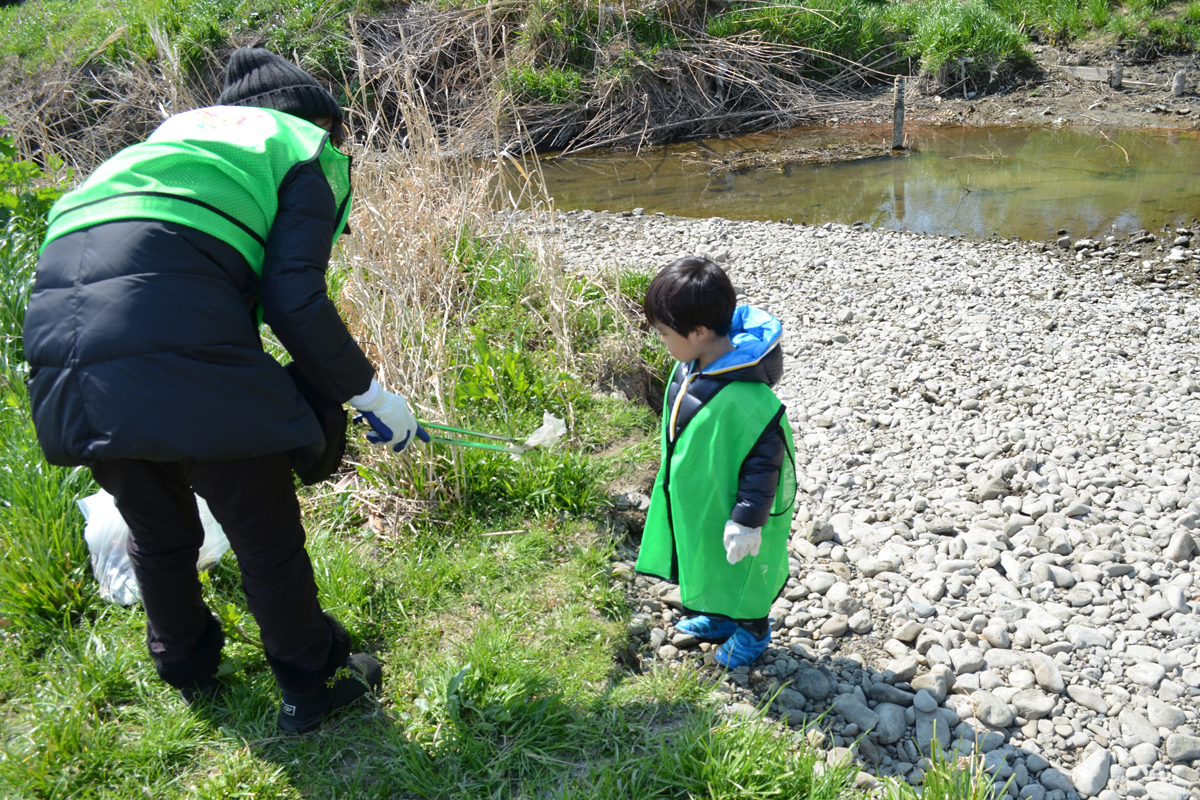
(740,541)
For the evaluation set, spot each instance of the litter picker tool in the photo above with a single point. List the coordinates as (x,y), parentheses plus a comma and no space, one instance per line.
(511,445)
(551,430)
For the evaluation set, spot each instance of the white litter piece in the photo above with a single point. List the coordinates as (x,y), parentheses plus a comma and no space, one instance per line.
(548,434)
(107,538)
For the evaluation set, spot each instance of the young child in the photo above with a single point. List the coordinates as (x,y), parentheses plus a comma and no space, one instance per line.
(721,510)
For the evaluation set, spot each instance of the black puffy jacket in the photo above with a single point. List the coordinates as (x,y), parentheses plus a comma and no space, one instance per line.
(142,341)
(758,477)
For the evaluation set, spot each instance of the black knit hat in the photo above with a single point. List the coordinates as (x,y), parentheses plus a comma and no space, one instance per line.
(257,77)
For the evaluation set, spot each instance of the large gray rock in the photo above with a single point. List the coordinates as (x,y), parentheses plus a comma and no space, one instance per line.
(901,670)
(1031,791)
(1182,547)
(909,631)
(870,566)
(997,636)
(886,693)
(991,710)
(860,621)
(1137,729)
(924,702)
(841,600)
(1081,637)
(1091,775)
(1007,659)
(820,582)
(813,683)
(967,660)
(1162,715)
(1047,673)
(935,727)
(1161,790)
(835,625)
(1150,675)
(892,724)
(1055,780)
(937,682)
(1144,754)
(1088,698)
(852,710)
(1183,748)
(790,699)
(1032,704)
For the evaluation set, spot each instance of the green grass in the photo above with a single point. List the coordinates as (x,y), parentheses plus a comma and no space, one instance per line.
(548,84)
(949,776)
(844,29)
(75,31)
(947,30)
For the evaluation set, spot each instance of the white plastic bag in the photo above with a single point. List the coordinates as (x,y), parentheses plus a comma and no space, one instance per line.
(107,538)
(548,434)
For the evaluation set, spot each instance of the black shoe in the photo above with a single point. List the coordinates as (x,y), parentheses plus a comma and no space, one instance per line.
(303,711)
(196,678)
(308,695)
(205,691)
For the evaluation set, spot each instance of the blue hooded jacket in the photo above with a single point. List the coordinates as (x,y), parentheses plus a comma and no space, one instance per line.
(756,357)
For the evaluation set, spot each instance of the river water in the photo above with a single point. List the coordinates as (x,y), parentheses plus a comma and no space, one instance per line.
(972,181)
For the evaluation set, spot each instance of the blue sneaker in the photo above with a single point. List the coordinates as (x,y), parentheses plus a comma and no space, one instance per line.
(703,626)
(741,649)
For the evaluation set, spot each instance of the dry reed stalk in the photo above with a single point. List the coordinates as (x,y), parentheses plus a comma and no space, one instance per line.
(456,62)
(407,298)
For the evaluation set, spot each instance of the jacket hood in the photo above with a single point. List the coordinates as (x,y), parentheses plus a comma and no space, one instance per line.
(756,356)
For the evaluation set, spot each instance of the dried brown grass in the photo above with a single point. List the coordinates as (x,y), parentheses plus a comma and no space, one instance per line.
(410,301)
(85,114)
(455,61)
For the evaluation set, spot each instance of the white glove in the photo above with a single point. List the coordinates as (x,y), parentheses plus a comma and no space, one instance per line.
(740,541)
(392,424)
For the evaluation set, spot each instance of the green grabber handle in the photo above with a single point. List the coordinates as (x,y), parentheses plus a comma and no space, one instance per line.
(467,432)
(461,443)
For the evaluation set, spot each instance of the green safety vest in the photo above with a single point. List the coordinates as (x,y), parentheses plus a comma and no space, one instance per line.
(216,169)
(694,495)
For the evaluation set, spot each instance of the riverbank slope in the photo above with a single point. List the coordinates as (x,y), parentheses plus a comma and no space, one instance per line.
(512,77)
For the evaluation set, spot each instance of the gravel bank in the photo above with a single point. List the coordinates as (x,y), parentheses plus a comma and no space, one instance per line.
(1000,498)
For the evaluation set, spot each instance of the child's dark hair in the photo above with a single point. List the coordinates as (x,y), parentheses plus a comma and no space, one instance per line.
(689,293)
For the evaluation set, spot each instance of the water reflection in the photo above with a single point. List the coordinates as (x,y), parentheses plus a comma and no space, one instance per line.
(1026,182)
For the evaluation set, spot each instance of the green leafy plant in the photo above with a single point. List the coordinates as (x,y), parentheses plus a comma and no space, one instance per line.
(507,378)
(26,194)
(547,84)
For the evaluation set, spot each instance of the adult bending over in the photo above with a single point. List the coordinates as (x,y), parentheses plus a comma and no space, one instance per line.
(147,366)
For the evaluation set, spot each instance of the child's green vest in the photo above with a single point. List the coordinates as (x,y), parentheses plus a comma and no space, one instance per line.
(217,170)
(694,495)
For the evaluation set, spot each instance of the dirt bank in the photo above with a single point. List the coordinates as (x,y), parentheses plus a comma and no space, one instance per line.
(1052,92)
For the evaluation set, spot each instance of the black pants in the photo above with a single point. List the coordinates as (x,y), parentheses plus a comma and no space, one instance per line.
(254,499)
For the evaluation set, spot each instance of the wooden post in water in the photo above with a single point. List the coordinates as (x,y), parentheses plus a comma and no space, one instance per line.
(898,118)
